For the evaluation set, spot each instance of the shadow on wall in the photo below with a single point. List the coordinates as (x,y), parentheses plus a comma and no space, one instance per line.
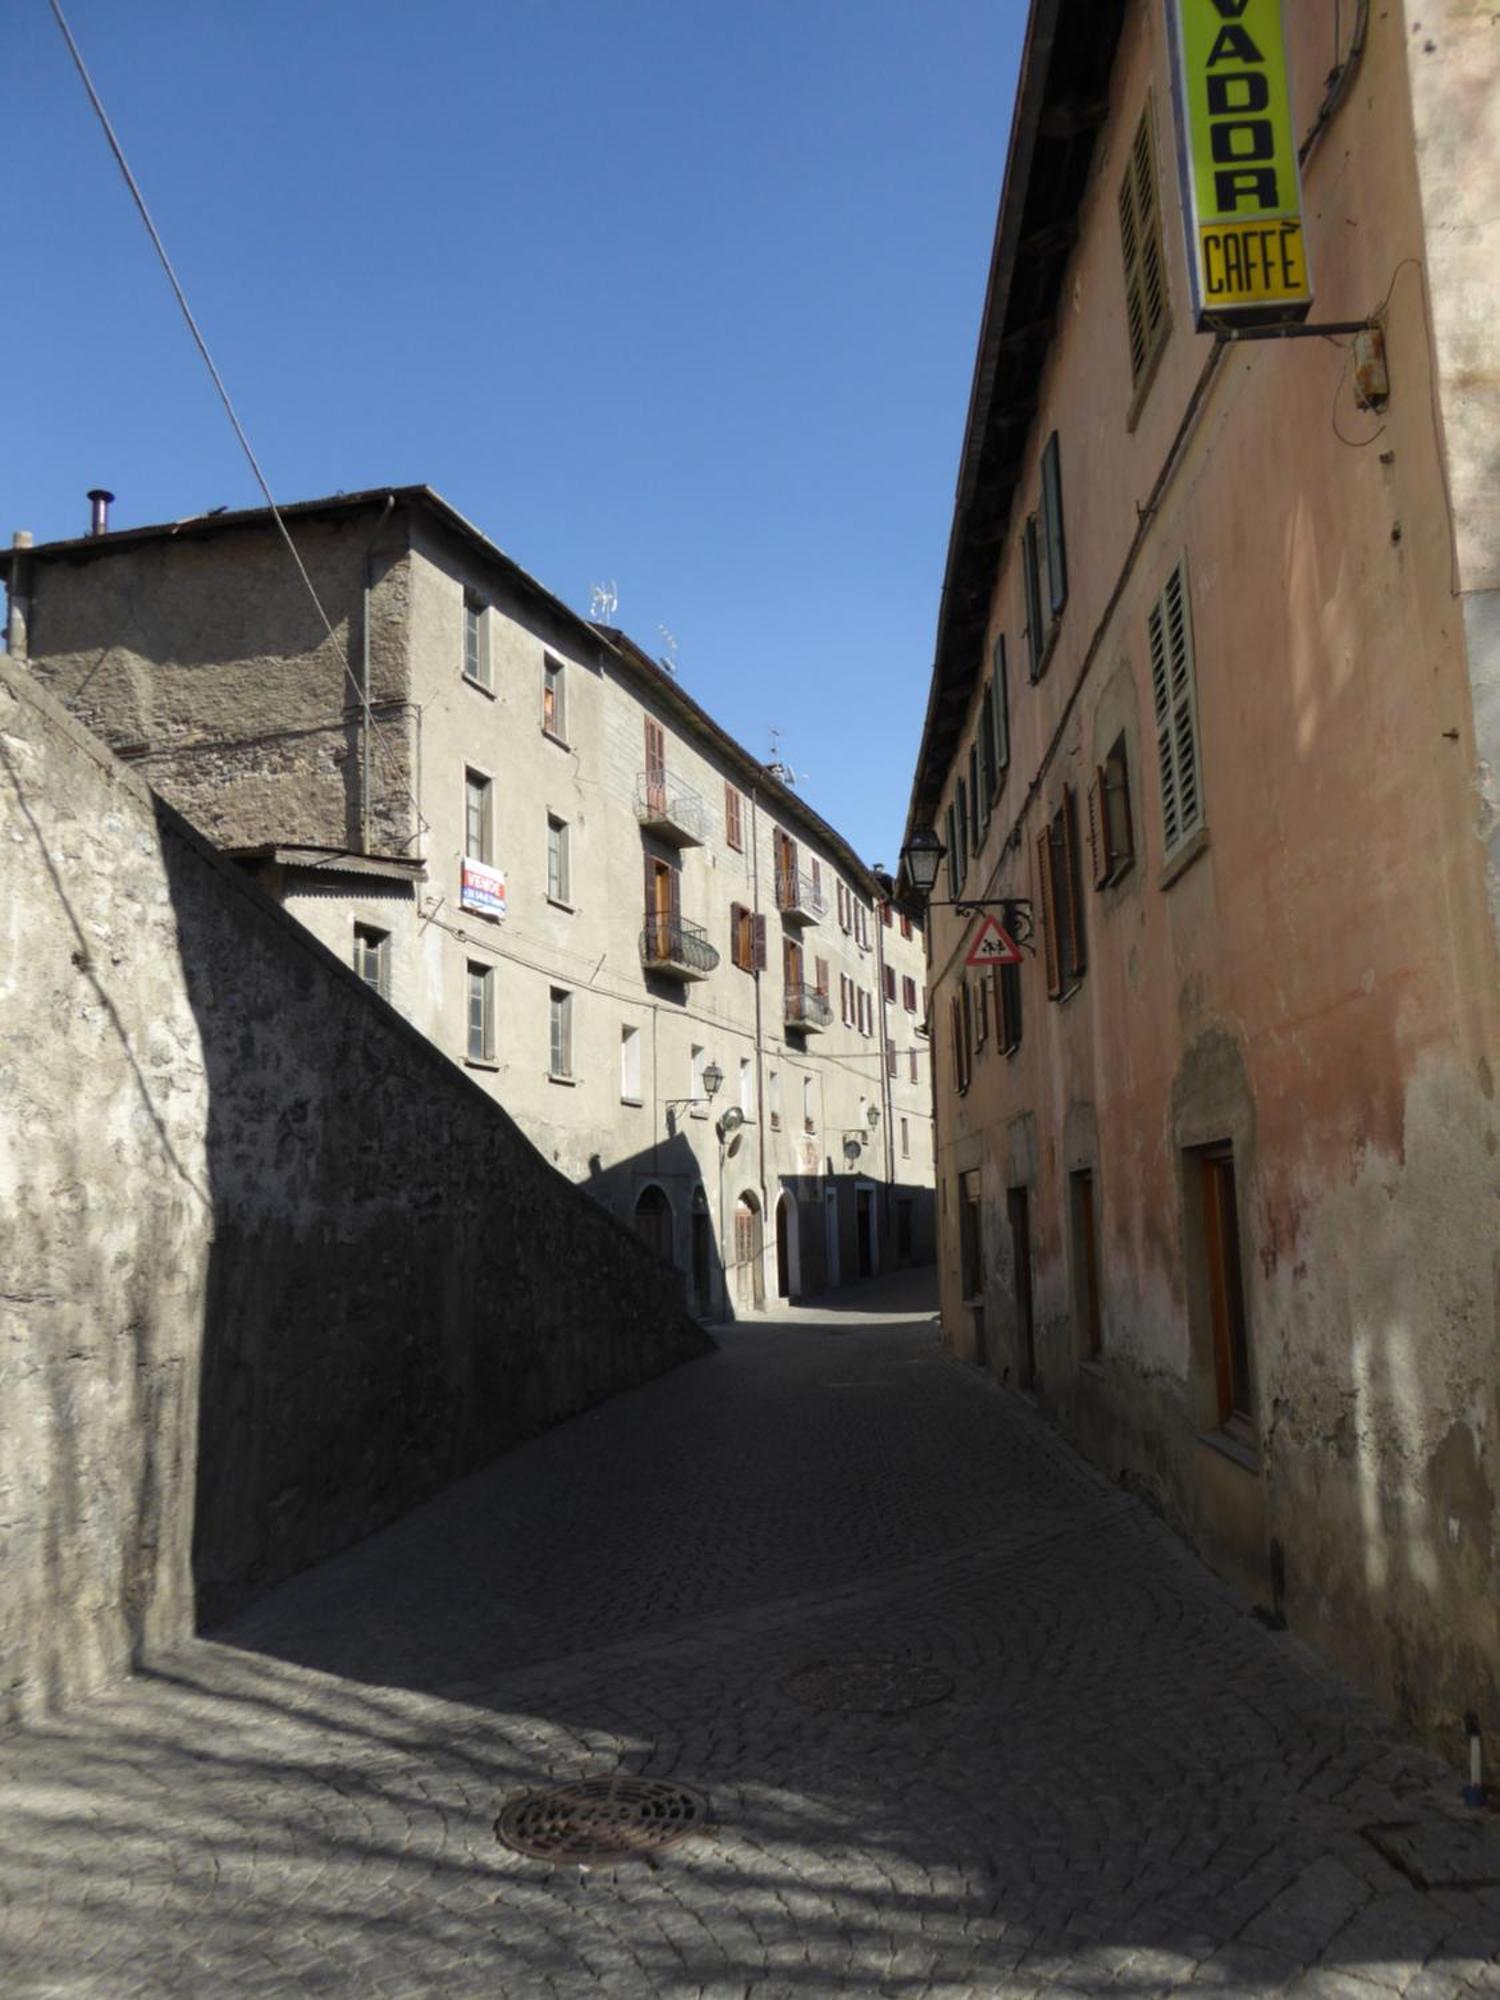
(275,1269)
(400,1285)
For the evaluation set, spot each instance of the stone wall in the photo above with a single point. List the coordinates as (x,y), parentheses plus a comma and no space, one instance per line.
(271,1268)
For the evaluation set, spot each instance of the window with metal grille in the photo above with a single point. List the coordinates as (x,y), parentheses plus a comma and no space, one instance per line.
(480,981)
(476,652)
(554,704)
(558,871)
(1174,700)
(1061,899)
(1140,241)
(478,837)
(1111,841)
(560,1025)
(372,958)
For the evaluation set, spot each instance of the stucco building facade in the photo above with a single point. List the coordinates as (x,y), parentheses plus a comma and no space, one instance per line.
(1217,694)
(542,851)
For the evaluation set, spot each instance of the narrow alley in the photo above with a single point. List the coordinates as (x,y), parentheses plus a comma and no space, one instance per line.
(967,1721)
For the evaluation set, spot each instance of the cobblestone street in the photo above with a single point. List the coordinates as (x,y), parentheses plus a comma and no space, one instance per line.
(1125,1785)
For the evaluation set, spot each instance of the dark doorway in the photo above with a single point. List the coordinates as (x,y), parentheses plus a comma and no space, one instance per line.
(1226,1290)
(971,1261)
(783,1248)
(653,1221)
(903,1232)
(1018,1208)
(864,1221)
(703,1252)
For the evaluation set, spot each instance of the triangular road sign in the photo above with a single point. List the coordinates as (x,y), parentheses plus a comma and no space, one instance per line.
(993,945)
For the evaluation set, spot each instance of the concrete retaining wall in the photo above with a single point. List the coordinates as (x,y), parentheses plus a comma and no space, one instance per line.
(271,1268)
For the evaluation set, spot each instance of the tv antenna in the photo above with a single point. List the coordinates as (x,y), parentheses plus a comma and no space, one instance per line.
(778,766)
(669,657)
(604,602)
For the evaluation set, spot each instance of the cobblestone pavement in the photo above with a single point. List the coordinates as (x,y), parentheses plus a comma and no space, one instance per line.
(1132,1787)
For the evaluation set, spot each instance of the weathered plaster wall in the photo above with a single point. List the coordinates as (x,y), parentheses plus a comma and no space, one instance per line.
(1320,985)
(204,661)
(273,1268)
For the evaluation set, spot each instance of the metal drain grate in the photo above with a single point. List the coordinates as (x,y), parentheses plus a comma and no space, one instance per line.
(868,1687)
(601,1819)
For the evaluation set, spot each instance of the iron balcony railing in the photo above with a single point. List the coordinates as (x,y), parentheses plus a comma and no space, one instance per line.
(672,944)
(806,1007)
(670,809)
(798,895)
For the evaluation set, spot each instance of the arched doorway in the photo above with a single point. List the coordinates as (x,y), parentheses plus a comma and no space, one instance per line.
(703,1252)
(653,1221)
(749,1252)
(788,1248)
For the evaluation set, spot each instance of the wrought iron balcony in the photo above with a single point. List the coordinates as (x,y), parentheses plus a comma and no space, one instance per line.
(671,810)
(806,1007)
(677,949)
(798,897)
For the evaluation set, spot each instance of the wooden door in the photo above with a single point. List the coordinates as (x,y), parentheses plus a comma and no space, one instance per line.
(1226,1290)
(1018,1208)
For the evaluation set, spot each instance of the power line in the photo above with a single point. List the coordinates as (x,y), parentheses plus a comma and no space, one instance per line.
(362,694)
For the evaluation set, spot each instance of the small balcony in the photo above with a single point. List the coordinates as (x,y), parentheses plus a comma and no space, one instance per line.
(677,949)
(807,1008)
(798,897)
(671,810)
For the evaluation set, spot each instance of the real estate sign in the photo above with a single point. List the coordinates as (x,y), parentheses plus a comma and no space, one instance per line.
(1237,158)
(482,888)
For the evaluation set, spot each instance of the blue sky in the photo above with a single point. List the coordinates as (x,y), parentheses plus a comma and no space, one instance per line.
(679,295)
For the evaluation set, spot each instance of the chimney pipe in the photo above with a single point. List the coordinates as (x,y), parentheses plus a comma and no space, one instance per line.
(99,518)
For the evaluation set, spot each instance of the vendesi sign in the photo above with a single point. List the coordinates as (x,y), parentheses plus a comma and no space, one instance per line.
(1237,157)
(481,888)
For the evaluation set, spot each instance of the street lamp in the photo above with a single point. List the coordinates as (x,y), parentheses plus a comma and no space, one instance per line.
(872,1116)
(713,1077)
(921,858)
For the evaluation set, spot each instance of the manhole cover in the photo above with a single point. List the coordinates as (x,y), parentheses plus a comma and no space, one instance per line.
(1441,1854)
(868,1687)
(601,1819)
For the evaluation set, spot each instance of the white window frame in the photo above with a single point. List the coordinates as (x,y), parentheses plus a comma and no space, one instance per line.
(630,1064)
(372,943)
(554,682)
(476,628)
(559,863)
(484,1052)
(478,783)
(560,1034)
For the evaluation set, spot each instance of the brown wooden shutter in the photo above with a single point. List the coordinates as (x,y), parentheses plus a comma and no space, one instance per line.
(820,976)
(737,933)
(1049,914)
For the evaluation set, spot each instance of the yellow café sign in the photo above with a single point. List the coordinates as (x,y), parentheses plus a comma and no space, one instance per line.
(1237,155)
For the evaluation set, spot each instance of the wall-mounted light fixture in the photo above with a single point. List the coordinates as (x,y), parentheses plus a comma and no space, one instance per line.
(921,858)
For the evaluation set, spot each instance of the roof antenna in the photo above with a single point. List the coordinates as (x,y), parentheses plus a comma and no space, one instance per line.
(669,657)
(777,766)
(604,602)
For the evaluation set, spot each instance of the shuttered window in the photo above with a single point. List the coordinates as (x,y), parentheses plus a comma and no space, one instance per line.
(1140,241)
(1174,701)
(954,878)
(1007,980)
(747,938)
(1052,528)
(1036,629)
(1111,838)
(1062,900)
(961,824)
(733,832)
(976,818)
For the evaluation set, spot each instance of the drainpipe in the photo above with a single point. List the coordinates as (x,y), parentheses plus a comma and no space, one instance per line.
(885,1073)
(760,1067)
(366,747)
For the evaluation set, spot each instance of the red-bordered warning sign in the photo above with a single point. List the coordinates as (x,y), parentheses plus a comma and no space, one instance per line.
(993,945)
